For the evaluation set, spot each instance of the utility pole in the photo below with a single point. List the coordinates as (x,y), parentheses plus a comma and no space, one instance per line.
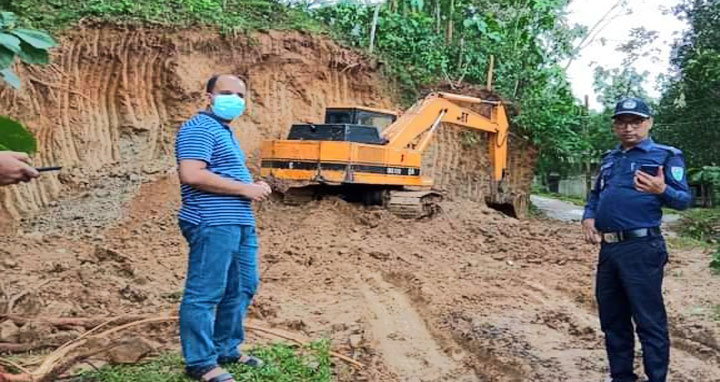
(586,134)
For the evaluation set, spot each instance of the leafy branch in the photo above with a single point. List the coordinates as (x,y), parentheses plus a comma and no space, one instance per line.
(29,45)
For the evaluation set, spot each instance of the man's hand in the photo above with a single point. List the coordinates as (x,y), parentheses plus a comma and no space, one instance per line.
(256,191)
(592,236)
(264,184)
(14,168)
(652,184)
(195,173)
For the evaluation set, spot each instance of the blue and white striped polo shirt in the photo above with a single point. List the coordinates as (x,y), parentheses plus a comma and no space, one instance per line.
(205,138)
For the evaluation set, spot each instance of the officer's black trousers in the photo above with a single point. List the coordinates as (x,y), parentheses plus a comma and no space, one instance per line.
(629,288)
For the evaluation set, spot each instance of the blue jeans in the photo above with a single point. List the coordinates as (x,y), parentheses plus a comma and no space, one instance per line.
(629,288)
(221,281)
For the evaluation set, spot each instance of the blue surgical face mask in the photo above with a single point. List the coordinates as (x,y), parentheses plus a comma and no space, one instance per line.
(228,106)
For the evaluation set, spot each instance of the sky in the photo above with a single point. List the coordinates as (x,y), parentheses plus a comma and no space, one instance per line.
(602,51)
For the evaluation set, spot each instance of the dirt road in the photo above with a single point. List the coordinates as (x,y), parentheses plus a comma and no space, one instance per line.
(557,209)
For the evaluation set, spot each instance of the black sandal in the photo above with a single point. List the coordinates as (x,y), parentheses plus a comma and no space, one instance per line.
(198,374)
(245,360)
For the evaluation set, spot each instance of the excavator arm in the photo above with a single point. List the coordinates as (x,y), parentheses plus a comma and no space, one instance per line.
(416,127)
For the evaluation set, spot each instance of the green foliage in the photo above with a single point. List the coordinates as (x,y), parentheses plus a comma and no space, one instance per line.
(29,45)
(612,85)
(716,312)
(15,137)
(707,176)
(230,15)
(535,212)
(715,263)
(688,112)
(282,364)
(701,224)
(470,138)
(684,242)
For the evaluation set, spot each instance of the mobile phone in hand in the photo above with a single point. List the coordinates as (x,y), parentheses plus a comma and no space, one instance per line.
(650,169)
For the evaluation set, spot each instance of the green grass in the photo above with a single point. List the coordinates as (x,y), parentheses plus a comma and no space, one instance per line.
(716,312)
(700,227)
(535,212)
(684,242)
(701,224)
(283,363)
(230,15)
(715,260)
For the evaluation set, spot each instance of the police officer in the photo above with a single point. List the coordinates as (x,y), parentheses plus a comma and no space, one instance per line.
(623,214)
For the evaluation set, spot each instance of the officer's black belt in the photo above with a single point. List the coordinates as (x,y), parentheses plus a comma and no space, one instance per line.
(615,237)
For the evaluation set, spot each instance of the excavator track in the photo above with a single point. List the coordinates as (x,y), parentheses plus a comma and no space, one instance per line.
(298,196)
(413,204)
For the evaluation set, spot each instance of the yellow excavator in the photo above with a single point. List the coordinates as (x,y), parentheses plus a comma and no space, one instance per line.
(375,156)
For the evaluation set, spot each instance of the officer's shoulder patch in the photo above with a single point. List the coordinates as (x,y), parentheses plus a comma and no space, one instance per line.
(670,149)
(677,172)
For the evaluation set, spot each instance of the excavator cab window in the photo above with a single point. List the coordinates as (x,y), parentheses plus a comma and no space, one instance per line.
(336,132)
(358,117)
(339,116)
(378,120)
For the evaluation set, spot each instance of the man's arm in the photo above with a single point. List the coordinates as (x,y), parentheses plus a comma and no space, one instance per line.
(195,173)
(592,201)
(588,219)
(677,193)
(15,168)
(195,146)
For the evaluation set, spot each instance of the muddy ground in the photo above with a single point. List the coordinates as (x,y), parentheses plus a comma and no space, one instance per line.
(471,295)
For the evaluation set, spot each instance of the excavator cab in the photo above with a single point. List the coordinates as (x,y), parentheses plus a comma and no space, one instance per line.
(346,124)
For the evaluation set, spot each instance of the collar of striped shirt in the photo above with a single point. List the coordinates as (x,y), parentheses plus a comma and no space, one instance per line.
(218,119)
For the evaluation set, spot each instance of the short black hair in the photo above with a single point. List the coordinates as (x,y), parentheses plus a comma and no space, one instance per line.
(210,85)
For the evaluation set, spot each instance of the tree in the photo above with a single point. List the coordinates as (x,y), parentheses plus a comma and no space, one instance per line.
(612,85)
(688,114)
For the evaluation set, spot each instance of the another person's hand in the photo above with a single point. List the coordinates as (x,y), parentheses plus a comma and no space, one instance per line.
(652,184)
(257,191)
(592,235)
(15,168)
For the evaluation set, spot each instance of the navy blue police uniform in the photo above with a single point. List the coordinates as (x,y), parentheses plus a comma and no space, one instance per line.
(633,252)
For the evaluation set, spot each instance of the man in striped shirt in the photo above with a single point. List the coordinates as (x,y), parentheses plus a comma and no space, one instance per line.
(218,223)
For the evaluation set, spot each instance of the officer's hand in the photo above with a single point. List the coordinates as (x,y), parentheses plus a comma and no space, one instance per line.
(592,236)
(652,184)
(14,168)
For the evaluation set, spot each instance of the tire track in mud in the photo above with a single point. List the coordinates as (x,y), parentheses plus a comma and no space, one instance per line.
(403,338)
